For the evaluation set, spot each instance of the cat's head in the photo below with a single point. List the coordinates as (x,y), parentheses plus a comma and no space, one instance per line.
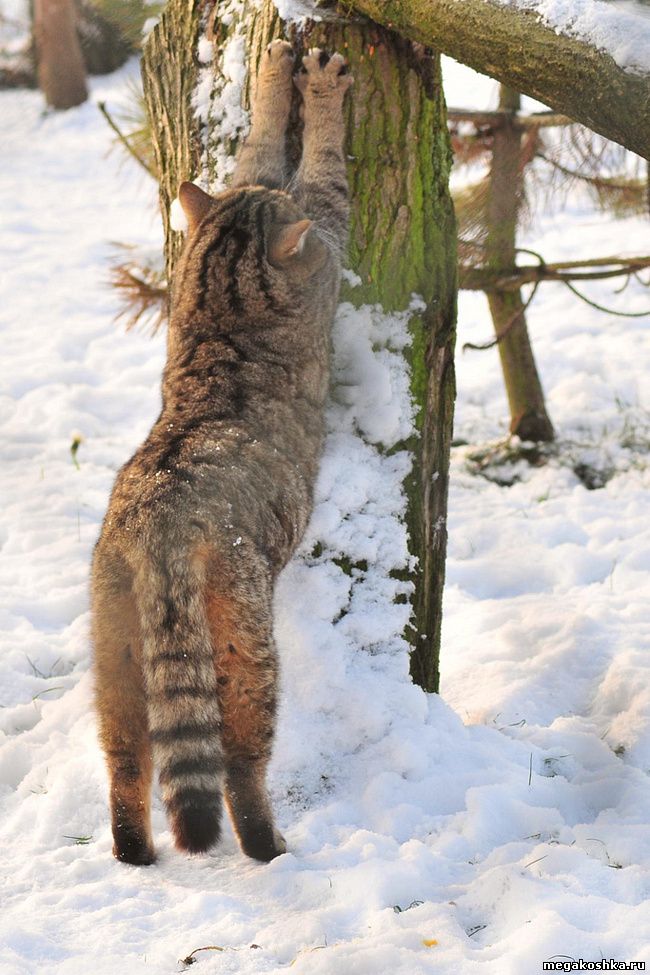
(249,226)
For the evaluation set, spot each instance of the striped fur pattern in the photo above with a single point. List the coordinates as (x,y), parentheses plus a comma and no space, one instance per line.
(212,505)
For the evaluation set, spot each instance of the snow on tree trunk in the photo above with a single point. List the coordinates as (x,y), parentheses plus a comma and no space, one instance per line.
(402,239)
(61,72)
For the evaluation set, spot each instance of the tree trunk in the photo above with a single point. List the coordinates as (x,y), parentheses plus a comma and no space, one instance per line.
(61,73)
(169,74)
(528,417)
(103,46)
(514,46)
(402,236)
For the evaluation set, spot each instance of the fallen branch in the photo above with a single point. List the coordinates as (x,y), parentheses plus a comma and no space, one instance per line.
(495,119)
(486,279)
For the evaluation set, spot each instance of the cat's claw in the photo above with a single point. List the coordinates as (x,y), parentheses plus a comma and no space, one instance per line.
(323,73)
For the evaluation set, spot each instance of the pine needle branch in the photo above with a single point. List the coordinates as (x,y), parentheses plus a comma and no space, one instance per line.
(143,291)
(124,139)
(600,182)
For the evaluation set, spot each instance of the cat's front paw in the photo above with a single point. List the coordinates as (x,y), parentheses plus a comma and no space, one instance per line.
(277,59)
(323,75)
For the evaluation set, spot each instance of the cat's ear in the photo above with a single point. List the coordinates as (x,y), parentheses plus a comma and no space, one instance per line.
(288,241)
(195,203)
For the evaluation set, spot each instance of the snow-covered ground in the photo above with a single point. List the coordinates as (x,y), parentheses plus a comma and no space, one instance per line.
(487,830)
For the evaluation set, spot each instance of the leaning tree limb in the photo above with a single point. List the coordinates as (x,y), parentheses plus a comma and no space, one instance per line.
(529,418)
(515,47)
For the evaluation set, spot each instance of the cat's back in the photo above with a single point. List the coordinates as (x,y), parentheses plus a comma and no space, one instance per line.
(236,446)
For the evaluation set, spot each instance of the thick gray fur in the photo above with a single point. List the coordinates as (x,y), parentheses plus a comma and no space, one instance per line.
(210,508)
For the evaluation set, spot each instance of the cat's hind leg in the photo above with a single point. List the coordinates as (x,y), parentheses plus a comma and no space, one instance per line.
(262,157)
(246,666)
(122,715)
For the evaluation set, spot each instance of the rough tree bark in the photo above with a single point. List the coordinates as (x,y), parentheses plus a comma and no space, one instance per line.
(528,416)
(402,235)
(61,72)
(169,75)
(513,45)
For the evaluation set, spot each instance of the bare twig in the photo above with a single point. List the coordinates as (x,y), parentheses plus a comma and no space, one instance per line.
(538,860)
(510,324)
(484,279)
(609,311)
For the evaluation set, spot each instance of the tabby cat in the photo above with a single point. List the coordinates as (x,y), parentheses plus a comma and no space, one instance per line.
(212,505)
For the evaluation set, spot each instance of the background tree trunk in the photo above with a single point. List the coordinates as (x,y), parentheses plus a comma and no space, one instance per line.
(514,46)
(61,73)
(103,46)
(528,416)
(402,234)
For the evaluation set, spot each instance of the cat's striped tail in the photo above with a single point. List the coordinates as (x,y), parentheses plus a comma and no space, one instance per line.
(181,690)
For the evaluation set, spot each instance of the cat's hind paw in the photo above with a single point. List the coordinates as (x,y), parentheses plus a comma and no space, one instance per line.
(131,849)
(263,844)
